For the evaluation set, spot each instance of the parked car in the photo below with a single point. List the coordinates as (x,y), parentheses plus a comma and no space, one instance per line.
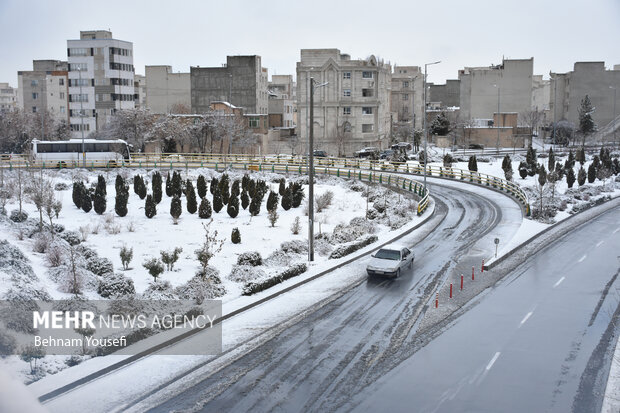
(390,260)
(386,154)
(475,146)
(369,152)
(402,147)
(320,154)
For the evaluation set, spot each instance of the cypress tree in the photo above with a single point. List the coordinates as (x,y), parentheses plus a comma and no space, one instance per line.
(522,169)
(506,163)
(204,211)
(551,160)
(119,184)
(99,199)
(175,207)
(78,193)
(581,156)
(214,185)
(287,199)
(234,189)
(217,200)
(150,207)
(190,194)
(168,185)
(201,186)
(251,188)
(235,237)
(136,184)
(596,161)
(255,206)
(156,187)
(121,203)
(244,182)
(570,161)
(87,203)
(298,194)
(559,169)
(245,199)
(591,173)
(102,184)
(233,207)
(530,159)
(570,177)
(473,164)
(224,189)
(282,187)
(142,191)
(177,184)
(272,201)
(581,176)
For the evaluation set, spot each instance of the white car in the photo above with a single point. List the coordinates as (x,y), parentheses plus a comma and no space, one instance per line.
(390,260)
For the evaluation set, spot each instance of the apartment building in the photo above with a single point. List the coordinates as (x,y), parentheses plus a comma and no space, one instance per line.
(8,98)
(587,78)
(352,109)
(139,84)
(509,82)
(447,95)
(101,79)
(45,88)
(282,105)
(407,95)
(242,81)
(166,91)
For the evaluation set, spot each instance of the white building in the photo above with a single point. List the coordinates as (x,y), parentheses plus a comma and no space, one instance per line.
(101,79)
(166,91)
(8,98)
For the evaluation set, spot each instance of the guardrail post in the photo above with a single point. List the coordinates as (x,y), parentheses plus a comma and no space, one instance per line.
(338,172)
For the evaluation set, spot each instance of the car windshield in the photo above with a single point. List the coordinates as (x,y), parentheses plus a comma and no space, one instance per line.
(388,254)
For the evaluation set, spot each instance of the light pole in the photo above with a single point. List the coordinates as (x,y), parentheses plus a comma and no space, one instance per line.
(82,116)
(424,121)
(555,105)
(497,143)
(413,111)
(311,171)
(614,118)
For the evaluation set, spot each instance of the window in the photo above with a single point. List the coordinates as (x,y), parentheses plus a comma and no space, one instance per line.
(346,75)
(366,75)
(346,127)
(254,122)
(346,92)
(367,127)
(35,95)
(405,85)
(367,110)
(34,109)
(78,67)
(61,82)
(405,96)
(367,93)
(78,51)
(62,109)
(78,98)
(62,95)
(79,82)
(34,83)
(346,110)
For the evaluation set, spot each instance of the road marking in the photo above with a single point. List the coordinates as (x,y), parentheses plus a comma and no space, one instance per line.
(493,360)
(582,258)
(559,282)
(616,230)
(600,243)
(528,315)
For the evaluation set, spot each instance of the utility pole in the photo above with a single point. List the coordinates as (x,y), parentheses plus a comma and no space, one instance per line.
(498,117)
(424,122)
(82,116)
(614,118)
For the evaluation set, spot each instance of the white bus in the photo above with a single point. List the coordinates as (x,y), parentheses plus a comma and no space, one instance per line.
(96,152)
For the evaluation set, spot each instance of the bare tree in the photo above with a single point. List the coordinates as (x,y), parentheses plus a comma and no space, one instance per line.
(131,125)
(180,109)
(531,119)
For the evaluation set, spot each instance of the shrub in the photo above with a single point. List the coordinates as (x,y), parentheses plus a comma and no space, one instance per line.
(41,242)
(255,287)
(273,217)
(150,207)
(115,285)
(205,285)
(235,236)
(324,200)
(245,273)
(175,208)
(126,256)
(156,187)
(171,257)
(72,237)
(294,247)
(204,211)
(201,186)
(99,200)
(252,258)
(99,266)
(87,203)
(55,255)
(168,185)
(233,207)
(570,177)
(78,191)
(8,344)
(214,186)
(351,247)
(17,216)
(591,173)
(234,189)
(154,266)
(245,199)
(218,203)
(61,186)
(272,201)
(120,206)
(190,194)
(224,188)
(255,205)
(296,226)
(177,184)
(287,199)
(297,191)
(472,164)
(581,176)
(282,186)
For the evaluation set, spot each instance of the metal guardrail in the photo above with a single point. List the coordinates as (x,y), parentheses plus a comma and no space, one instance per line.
(377,171)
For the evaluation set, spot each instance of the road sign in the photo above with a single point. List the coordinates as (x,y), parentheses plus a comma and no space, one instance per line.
(496,241)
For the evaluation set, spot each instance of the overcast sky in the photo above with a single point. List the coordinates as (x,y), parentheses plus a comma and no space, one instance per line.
(181,33)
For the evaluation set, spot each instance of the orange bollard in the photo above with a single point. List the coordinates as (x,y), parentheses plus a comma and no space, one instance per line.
(461,281)
(450,290)
(482,268)
(437,300)
(472,273)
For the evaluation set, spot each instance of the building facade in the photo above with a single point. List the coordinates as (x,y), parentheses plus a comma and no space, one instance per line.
(587,78)
(8,98)
(166,91)
(242,81)
(480,87)
(139,85)
(407,95)
(101,80)
(447,95)
(45,89)
(352,110)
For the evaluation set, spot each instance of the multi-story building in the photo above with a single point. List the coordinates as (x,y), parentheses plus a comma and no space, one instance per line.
(8,98)
(447,95)
(282,106)
(101,79)
(242,81)
(139,84)
(587,78)
(352,109)
(44,90)
(407,95)
(480,87)
(167,92)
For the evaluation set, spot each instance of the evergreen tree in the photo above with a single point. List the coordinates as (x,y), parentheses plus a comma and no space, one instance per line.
(176,208)
(542,180)
(245,199)
(87,203)
(523,169)
(281,187)
(177,184)
(217,200)
(204,211)
(272,201)
(214,185)
(581,176)
(136,184)
(201,186)
(168,185)
(441,125)
(570,177)
(287,199)
(530,160)
(559,169)
(121,185)
(255,205)
(244,182)
(233,207)
(506,162)
(586,123)
(551,160)
(156,187)
(251,188)
(190,194)
(570,161)
(102,185)
(78,193)
(99,199)
(596,161)
(150,207)
(235,237)
(581,156)
(121,203)
(591,173)
(473,164)
(224,189)
(298,193)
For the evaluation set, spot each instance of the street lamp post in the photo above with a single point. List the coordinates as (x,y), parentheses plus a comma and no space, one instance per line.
(82,117)
(413,111)
(614,118)
(311,171)
(497,143)
(424,121)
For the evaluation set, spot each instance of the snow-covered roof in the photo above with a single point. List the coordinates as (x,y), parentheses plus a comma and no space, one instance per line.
(230,105)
